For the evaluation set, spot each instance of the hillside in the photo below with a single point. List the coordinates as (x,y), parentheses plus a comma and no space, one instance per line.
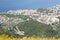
(43,22)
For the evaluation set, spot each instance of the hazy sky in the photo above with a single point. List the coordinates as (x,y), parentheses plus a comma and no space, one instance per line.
(26,4)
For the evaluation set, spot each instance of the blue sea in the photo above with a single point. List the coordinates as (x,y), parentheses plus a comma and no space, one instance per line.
(6,5)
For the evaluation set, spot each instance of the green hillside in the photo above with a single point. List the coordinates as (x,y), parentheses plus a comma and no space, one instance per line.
(31,27)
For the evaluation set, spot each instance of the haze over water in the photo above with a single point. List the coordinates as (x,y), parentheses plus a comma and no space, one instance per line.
(26,4)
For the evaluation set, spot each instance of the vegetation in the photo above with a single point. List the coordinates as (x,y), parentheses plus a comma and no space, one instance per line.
(6,37)
(31,28)
(34,28)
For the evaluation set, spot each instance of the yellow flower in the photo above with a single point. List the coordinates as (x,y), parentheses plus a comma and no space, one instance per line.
(5,37)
